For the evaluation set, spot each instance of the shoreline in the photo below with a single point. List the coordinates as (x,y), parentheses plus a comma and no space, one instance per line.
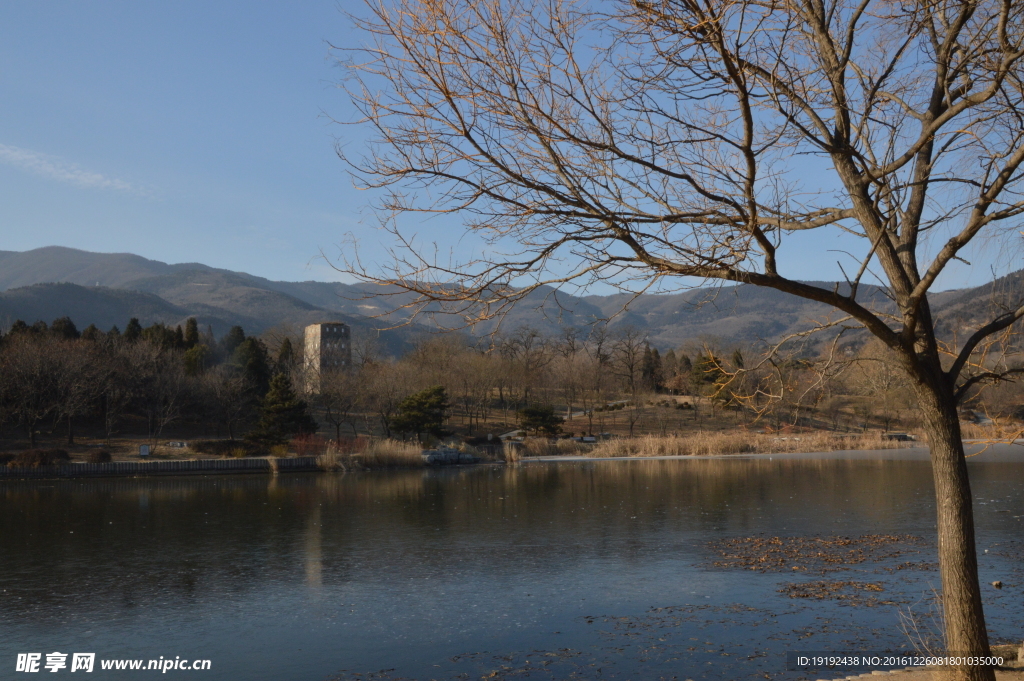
(1002,452)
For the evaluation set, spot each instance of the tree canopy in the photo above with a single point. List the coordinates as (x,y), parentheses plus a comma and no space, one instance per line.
(646,142)
(423,412)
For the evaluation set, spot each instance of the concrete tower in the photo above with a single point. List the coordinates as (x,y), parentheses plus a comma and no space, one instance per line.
(327,347)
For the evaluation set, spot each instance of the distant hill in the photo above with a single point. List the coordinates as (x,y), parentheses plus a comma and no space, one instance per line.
(104,307)
(109,288)
(56,264)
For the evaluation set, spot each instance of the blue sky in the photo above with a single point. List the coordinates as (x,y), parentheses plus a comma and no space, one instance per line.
(186,131)
(193,131)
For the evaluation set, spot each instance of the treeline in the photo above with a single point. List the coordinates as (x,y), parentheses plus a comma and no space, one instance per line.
(503,382)
(54,375)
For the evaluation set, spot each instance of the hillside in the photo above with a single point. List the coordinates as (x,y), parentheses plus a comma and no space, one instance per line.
(108,288)
(104,307)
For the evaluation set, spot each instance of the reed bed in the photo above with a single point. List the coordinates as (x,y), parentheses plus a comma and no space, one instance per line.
(714,444)
(1001,430)
(512,452)
(377,454)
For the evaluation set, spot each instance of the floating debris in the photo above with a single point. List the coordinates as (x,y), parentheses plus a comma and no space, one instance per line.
(848,592)
(817,554)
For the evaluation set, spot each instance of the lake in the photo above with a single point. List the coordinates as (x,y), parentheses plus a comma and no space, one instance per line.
(637,569)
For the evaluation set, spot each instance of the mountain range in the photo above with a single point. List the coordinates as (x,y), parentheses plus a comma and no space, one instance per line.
(107,289)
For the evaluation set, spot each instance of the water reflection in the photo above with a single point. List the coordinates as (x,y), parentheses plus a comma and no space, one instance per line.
(408,569)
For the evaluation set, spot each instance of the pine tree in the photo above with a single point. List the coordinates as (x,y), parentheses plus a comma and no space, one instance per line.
(233,338)
(195,360)
(670,364)
(251,358)
(540,419)
(191,333)
(91,333)
(133,331)
(283,414)
(423,412)
(684,366)
(64,328)
(650,368)
(285,355)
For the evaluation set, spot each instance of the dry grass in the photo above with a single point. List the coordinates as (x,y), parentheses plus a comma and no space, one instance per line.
(712,444)
(542,446)
(1002,430)
(378,454)
(512,452)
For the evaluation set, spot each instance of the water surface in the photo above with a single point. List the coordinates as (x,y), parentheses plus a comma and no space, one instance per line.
(576,569)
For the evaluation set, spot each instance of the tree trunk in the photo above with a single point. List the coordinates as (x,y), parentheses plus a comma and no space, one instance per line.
(958,560)
(71,431)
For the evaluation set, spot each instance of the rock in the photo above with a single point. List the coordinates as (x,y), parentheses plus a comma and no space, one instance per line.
(997,584)
(1020,654)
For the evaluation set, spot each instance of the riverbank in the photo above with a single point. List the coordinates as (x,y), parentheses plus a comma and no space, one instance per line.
(266,466)
(390,456)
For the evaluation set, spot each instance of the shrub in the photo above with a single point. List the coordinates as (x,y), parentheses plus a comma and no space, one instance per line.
(227,448)
(98,456)
(279,450)
(306,445)
(378,454)
(512,451)
(34,458)
(541,419)
(392,454)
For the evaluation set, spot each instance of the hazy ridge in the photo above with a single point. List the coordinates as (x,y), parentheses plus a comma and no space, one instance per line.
(109,288)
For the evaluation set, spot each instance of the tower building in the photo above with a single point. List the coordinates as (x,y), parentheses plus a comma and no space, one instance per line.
(327,347)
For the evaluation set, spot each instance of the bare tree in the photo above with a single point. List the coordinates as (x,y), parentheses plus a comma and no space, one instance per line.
(656,139)
(229,397)
(77,380)
(384,386)
(881,380)
(29,391)
(338,397)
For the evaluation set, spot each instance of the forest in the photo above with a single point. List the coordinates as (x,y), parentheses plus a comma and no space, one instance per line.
(57,382)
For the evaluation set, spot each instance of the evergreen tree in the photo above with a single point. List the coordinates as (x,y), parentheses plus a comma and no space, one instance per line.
(158,334)
(670,364)
(540,419)
(231,341)
(91,333)
(64,328)
(191,333)
(285,355)
(650,368)
(684,366)
(114,333)
(737,358)
(283,414)
(423,412)
(19,327)
(179,338)
(251,359)
(195,360)
(132,332)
